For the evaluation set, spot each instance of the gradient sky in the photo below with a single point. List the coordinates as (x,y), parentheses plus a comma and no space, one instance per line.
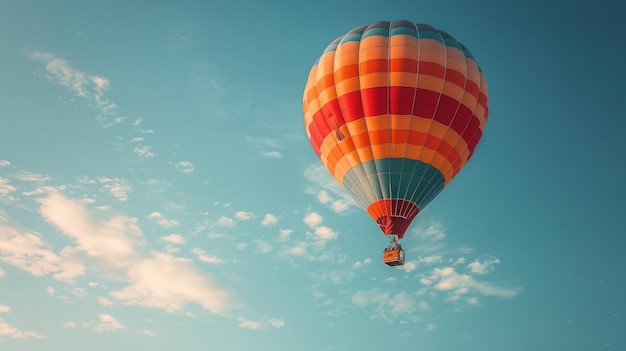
(157,190)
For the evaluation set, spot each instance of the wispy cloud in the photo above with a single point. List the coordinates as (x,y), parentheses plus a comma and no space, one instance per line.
(144,151)
(174,239)
(202,256)
(5,163)
(225,222)
(266,147)
(314,221)
(269,220)
(161,220)
(244,216)
(5,186)
(447,279)
(107,322)
(30,177)
(258,325)
(262,246)
(117,187)
(88,87)
(104,301)
(153,279)
(185,166)
(483,266)
(325,188)
(26,251)
(165,282)
(7,330)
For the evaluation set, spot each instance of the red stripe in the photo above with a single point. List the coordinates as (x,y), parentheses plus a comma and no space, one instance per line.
(395,100)
(393,215)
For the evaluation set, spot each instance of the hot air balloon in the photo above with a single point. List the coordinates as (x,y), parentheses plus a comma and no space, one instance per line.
(394,110)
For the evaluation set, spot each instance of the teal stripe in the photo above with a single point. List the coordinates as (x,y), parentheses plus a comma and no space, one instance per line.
(404,31)
(430,35)
(350,37)
(397,178)
(330,47)
(453,43)
(376,31)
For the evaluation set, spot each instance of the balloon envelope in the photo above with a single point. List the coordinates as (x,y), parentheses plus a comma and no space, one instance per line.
(394,110)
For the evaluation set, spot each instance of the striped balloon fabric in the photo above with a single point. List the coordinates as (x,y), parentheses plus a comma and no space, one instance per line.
(394,110)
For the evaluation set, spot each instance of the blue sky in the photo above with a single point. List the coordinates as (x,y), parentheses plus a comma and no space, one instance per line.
(157,189)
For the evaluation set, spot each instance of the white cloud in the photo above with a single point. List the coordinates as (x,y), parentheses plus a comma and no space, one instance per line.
(4,163)
(185,166)
(276,323)
(284,234)
(28,252)
(136,140)
(449,280)
(50,291)
(8,330)
(119,188)
(155,280)
(244,216)
(80,292)
(339,206)
(247,324)
(110,241)
(166,282)
(5,187)
(271,154)
(69,324)
(483,267)
(89,87)
(269,220)
(325,233)
(402,303)
(262,246)
(423,305)
(297,250)
(473,301)
(322,181)
(108,323)
(267,147)
(389,306)
(324,197)
(5,309)
(162,221)
(431,327)
(104,301)
(144,151)
(31,177)
(174,239)
(409,266)
(225,222)
(257,325)
(312,219)
(430,259)
(202,256)
(364,298)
